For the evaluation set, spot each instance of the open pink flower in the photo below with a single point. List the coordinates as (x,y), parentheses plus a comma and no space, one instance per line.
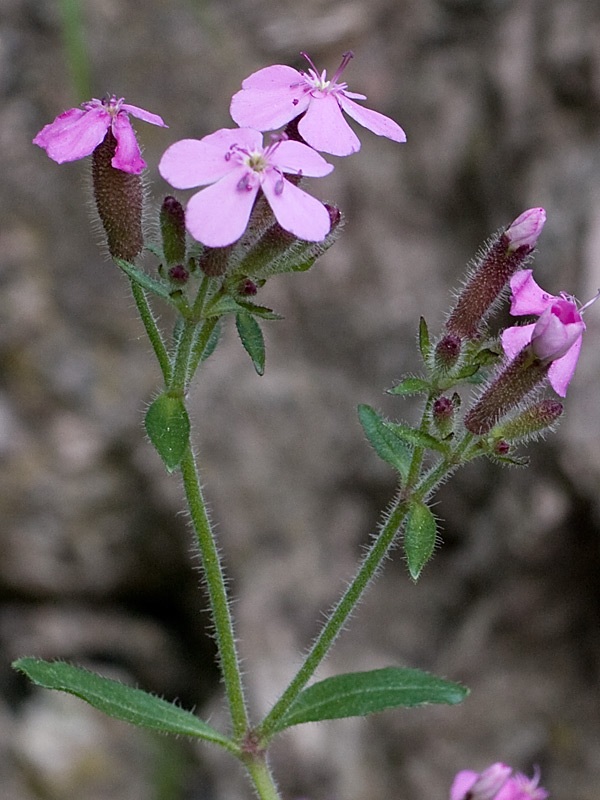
(555,337)
(496,783)
(275,95)
(237,165)
(520,787)
(76,133)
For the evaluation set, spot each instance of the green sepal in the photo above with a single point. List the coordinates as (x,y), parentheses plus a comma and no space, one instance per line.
(410,385)
(420,536)
(417,438)
(424,340)
(387,444)
(168,428)
(252,338)
(119,701)
(144,280)
(357,694)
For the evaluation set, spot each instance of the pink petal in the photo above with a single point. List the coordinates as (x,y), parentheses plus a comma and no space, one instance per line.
(324,128)
(562,370)
(268,109)
(462,783)
(218,216)
(144,115)
(74,134)
(295,210)
(297,158)
(373,120)
(198,162)
(527,296)
(277,76)
(127,156)
(516,338)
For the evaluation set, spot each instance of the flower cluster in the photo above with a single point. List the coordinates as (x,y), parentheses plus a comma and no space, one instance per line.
(497,782)
(233,163)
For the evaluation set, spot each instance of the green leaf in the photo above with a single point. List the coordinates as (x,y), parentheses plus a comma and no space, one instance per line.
(213,341)
(118,700)
(357,694)
(168,428)
(414,437)
(387,444)
(221,304)
(424,340)
(409,386)
(252,338)
(144,280)
(419,537)
(259,311)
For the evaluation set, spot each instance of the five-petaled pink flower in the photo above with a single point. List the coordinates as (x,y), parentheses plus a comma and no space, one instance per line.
(555,337)
(496,783)
(275,95)
(76,133)
(237,165)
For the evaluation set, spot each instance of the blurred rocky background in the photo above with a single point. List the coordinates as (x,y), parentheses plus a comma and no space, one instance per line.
(500,100)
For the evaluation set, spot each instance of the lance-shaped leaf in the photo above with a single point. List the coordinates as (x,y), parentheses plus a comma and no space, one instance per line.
(356,694)
(417,438)
(144,280)
(410,385)
(252,338)
(120,701)
(388,445)
(424,340)
(419,537)
(168,428)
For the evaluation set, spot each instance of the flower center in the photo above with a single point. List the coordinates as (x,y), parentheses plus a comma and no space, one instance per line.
(319,83)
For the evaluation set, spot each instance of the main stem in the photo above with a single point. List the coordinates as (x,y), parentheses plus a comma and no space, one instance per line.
(219,603)
(337,619)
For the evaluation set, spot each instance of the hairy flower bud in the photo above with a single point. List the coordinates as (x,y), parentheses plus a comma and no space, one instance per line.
(119,199)
(214,261)
(172,228)
(518,379)
(535,419)
(447,351)
(500,258)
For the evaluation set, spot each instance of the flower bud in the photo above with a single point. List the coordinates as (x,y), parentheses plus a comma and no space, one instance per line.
(518,379)
(447,351)
(172,228)
(469,785)
(525,230)
(119,199)
(443,413)
(535,419)
(557,329)
(215,260)
(178,274)
(500,258)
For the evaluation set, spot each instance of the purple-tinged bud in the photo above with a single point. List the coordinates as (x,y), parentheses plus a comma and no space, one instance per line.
(247,287)
(178,274)
(469,785)
(335,215)
(501,447)
(557,329)
(500,258)
(527,424)
(172,227)
(215,260)
(518,379)
(525,230)
(447,351)
(443,413)
(119,199)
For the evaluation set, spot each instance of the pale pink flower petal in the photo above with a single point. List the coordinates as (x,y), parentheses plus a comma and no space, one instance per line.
(562,370)
(74,134)
(296,211)
(324,128)
(527,296)
(373,120)
(295,157)
(145,116)
(526,229)
(462,783)
(278,76)
(516,338)
(218,215)
(127,156)
(557,330)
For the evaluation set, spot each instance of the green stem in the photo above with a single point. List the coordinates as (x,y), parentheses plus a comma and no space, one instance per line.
(219,603)
(262,779)
(75,47)
(156,340)
(337,619)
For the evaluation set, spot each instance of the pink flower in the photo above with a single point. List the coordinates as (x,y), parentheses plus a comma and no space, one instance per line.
(275,95)
(525,230)
(76,133)
(469,785)
(237,165)
(496,783)
(555,337)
